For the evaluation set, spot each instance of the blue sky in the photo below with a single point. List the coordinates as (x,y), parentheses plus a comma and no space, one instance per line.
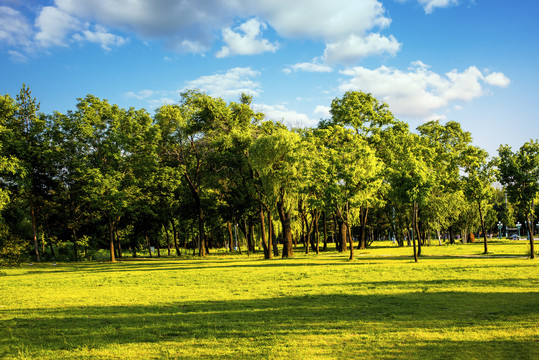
(472,61)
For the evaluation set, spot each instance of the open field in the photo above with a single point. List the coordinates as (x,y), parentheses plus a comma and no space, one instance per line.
(381,305)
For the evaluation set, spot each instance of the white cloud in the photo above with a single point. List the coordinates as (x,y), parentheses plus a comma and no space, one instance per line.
(497,79)
(154,98)
(308,67)
(282,114)
(245,40)
(355,47)
(418,92)
(322,111)
(190,25)
(14,27)
(141,94)
(16,56)
(100,36)
(54,26)
(229,85)
(326,20)
(430,5)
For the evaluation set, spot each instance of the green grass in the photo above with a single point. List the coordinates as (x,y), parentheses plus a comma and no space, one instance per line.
(381,305)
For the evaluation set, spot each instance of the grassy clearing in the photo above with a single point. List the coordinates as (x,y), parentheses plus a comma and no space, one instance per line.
(381,305)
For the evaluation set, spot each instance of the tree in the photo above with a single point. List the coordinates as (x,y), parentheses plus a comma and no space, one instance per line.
(276,158)
(351,173)
(478,182)
(27,142)
(519,173)
(9,163)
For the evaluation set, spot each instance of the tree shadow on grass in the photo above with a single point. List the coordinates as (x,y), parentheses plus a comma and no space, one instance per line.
(411,320)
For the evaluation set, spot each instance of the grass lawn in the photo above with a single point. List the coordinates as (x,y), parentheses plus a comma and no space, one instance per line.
(453,304)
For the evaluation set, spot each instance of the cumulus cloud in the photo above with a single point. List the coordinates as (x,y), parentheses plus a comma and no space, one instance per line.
(308,67)
(141,94)
(497,79)
(327,20)
(14,27)
(229,85)
(282,114)
(355,47)
(419,92)
(100,36)
(430,5)
(322,112)
(54,26)
(190,25)
(58,28)
(246,40)
(154,98)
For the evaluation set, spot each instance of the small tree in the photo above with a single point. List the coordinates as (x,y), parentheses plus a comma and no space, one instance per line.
(519,173)
(478,181)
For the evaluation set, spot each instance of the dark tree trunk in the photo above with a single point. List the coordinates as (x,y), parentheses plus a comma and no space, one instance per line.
(317,231)
(111,239)
(417,229)
(530,231)
(230,236)
(343,232)
(451,237)
(325,231)
(175,238)
(483,226)
(169,247)
(267,250)
(364,212)
(75,245)
(34,233)
(148,243)
(201,243)
(414,221)
(272,238)
(118,243)
(284,215)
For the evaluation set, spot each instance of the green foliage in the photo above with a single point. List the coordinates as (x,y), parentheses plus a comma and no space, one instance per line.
(121,177)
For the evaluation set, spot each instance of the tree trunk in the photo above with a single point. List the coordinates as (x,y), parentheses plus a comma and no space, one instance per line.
(284,215)
(230,236)
(325,231)
(75,245)
(36,247)
(118,243)
(272,238)
(111,239)
(169,247)
(267,250)
(364,212)
(416,228)
(201,243)
(412,232)
(175,238)
(343,232)
(530,231)
(451,236)
(316,231)
(482,226)
(148,243)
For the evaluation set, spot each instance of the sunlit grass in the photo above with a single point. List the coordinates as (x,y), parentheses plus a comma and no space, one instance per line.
(380,305)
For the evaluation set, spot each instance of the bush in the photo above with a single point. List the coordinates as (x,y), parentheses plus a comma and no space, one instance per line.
(13,250)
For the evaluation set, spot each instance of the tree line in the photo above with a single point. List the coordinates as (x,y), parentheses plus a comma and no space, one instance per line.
(204,173)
